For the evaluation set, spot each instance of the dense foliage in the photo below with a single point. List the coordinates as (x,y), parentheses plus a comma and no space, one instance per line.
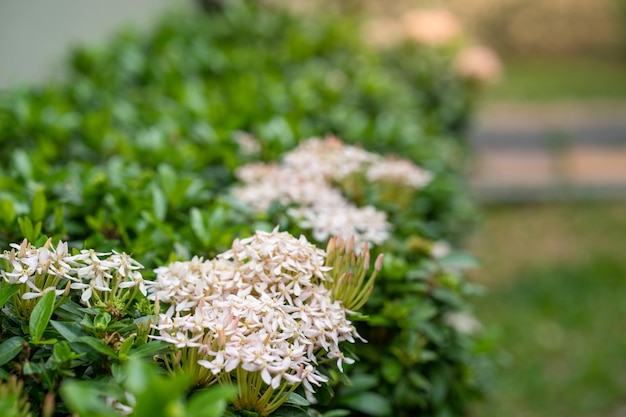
(136,150)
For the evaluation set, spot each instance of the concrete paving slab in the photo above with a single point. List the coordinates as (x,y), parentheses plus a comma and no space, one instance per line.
(549,151)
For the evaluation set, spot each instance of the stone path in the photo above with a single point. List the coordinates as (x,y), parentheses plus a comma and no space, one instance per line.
(549,151)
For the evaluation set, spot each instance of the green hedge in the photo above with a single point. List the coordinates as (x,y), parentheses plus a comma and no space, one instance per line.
(136,151)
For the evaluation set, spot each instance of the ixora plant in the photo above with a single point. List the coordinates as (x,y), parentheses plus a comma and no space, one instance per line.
(424,352)
(265,320)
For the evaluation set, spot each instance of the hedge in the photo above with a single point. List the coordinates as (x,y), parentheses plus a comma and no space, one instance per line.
(139,148)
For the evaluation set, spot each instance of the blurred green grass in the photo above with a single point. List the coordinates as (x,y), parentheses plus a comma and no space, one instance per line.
(560,317)
(529,79)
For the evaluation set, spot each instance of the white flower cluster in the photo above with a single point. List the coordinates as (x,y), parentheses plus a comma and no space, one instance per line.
(399,171)
(305,178)
(259,307)
(366,224)
(248,144)
(42,268)
(329,158)
(265,184)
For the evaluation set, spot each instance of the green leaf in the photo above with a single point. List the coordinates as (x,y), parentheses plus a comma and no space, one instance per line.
(150,349)
(458,261)
(126,346)
(359,383)
(31,368)
(102,320)
(70,331)
(368,402)
(40,317)
(155,393)
(85,399)
(10,348)
(38,210)
(211,402)
(198,226)
(29,230)
(391,370)
(63,352)
(98,345)
(297,399)
(418,381)
(290,411)
(168,178)
(22,164)
(336,413)
(159,203)
(7,291)
(7,208)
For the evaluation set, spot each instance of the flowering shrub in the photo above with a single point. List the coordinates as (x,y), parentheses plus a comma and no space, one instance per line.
(146,149)
(264,316)
(305,179)
(417,309)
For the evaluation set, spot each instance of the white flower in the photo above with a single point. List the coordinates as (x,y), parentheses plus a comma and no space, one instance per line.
(329,158)
(463,322)
(440,249)
(248,144)
(366,224)
(265,184)
(399,171)
(36,293)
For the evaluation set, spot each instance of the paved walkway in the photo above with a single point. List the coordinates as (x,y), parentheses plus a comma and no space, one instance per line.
(550,151)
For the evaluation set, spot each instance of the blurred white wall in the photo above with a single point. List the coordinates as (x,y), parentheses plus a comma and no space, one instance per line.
(35,35)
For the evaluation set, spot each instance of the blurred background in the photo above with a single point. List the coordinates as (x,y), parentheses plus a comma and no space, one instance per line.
(549,173)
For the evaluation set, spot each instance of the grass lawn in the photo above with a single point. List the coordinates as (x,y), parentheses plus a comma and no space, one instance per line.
(561,79)
(556,280)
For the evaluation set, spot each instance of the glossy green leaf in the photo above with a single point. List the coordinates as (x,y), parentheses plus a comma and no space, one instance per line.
(290,411)
(98,345)
(40,317)
(22,164)
(336,413)
(210,402)
(459,260)
(150,349)
(369,403)
(297,399)
(126,346)
(7,208)
(159,203)
(29,230)
(7,291)
(199,227)
(39,203)
(391,370)
(155,393)
(70,331)
(10,348)
(85,399)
